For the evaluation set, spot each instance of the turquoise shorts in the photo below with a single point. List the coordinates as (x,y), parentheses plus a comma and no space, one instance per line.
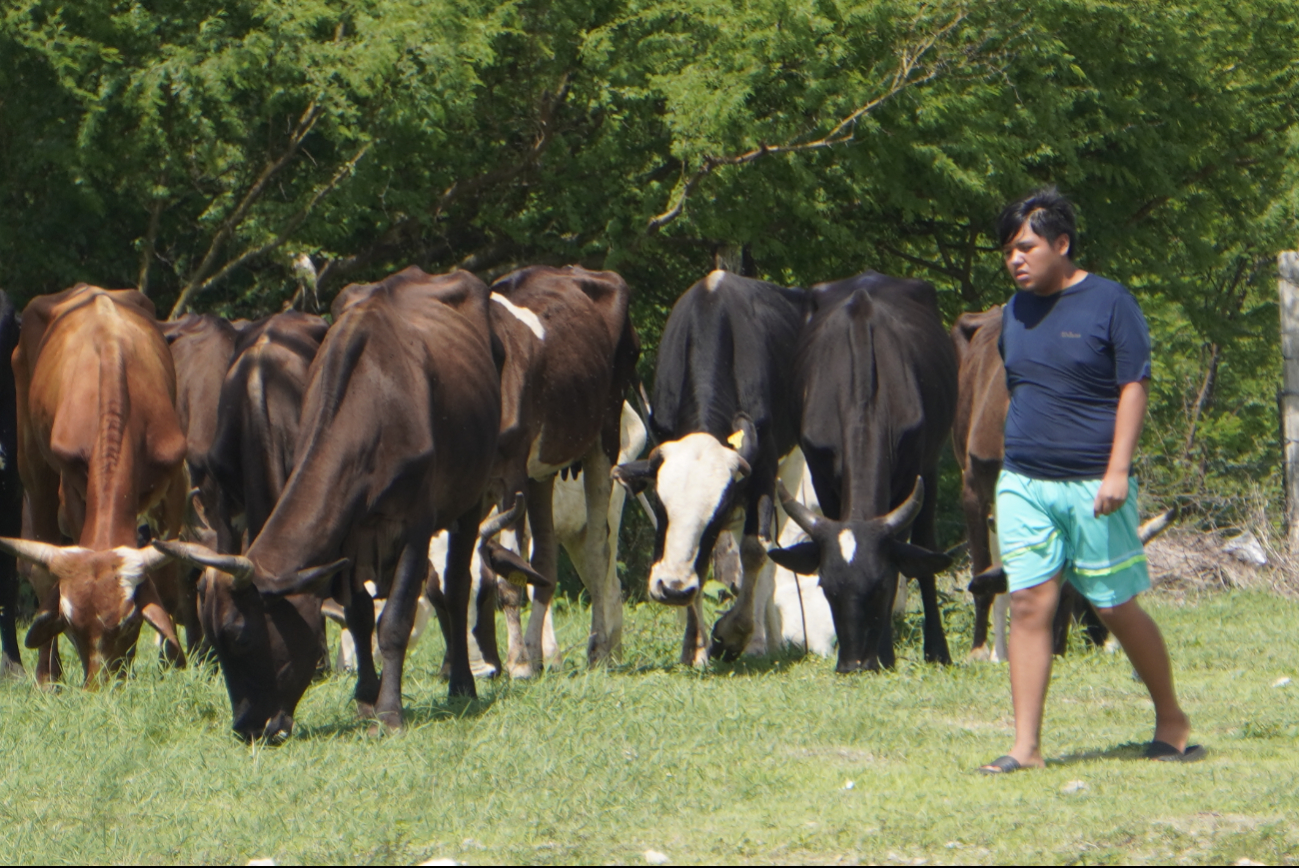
(1046,526)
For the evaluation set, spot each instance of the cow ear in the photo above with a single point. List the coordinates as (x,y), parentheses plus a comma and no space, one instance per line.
(313,580)
(744,438)
(511,566)
(989,583)
(45,627)
(914,561)
(637,475)
(803,558)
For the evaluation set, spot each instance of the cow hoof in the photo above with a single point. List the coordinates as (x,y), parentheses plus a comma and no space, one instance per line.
(365,710)
(982,654)
(11,669)
(521,671)
(390,721)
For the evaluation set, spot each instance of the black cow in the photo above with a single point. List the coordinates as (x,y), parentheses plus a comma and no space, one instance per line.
(396,442)
(877,375)
(725,411)
(11,490)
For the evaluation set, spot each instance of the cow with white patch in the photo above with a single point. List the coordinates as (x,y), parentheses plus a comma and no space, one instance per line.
(570,355)
(877,375)
(725,411)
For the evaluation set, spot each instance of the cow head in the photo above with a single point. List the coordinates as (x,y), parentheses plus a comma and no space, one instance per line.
(859,562)
(696,480)
(268,642)
(99,599)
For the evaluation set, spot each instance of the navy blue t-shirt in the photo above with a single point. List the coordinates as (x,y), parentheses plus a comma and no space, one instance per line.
(1067,356)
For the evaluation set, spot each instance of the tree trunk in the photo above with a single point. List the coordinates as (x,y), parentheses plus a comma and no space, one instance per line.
(1288,285)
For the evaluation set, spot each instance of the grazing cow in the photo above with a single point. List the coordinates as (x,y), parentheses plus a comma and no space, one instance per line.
(572,528)
(202,346)
(11,491)
(877,375)
(396,441)
(725,412)
(251,453)
(570,355)
(99,446)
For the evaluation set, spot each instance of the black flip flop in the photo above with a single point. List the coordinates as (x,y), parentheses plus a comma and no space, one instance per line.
(1162,751)
(1002,765)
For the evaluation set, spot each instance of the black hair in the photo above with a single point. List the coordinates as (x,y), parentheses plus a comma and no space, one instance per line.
(1048,213)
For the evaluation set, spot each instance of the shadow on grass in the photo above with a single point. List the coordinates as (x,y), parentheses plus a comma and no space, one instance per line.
(447,708)
(1131,750)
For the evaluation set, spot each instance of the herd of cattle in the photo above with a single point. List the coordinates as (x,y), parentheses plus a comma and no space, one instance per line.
(435,445)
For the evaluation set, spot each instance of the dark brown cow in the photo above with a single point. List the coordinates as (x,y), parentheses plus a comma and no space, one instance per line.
(202,346)
(570,355)
(396,441)
(251,453)
(99,446)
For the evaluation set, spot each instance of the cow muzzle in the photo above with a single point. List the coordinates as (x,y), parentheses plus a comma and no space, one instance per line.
(250,728)
(673,590)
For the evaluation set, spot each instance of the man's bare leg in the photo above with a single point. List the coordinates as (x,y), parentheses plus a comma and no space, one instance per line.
(1032,611)
(1144,645)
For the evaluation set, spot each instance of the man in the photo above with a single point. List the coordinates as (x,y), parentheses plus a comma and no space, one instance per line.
(1077,356)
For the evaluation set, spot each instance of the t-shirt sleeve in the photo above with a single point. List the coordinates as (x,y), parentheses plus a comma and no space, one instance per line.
(1131,341)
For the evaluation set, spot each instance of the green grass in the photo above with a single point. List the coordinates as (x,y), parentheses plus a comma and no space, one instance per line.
(744,763)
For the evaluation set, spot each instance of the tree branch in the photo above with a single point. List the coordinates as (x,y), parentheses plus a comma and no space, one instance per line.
(903,78)
(150,241)
(304,126)
(289,227)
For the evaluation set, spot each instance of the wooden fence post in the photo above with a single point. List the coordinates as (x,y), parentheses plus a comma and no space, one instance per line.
(1288,288)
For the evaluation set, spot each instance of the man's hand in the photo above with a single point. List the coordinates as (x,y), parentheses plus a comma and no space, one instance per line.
(1113,494)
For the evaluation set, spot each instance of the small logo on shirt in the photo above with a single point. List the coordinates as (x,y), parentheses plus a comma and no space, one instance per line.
(1070,335)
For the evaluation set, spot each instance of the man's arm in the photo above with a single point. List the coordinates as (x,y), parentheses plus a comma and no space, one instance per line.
(1127,430)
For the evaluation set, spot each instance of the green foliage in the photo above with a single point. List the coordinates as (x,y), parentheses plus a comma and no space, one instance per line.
(199,153)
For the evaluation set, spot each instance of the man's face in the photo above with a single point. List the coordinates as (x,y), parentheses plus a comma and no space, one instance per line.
(1036,264)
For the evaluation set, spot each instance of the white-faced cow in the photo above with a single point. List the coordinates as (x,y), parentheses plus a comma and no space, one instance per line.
(99,446)
(11,490)
(877,375)
(570,355)
(725,412)
(396,442)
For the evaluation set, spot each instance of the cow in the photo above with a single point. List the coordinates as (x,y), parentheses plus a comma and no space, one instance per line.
(11,491)
(978,439)
(570,356)
(99,446)
(572,529)
(396,441)
(725,412)
(251,452)
(202,346)
(877,376)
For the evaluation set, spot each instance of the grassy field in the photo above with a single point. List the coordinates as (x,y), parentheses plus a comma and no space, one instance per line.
(747,763)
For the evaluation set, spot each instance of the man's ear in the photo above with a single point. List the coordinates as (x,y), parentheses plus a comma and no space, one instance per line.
(803,558)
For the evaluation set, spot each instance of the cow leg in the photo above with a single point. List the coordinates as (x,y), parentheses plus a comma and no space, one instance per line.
(1063,618)
(399,617)
(359,614)
(1097,633)
(512,598)
(734,629)
(976,508)
(484,655)
(539,641)
(11,661)
(598,569)
(1000,617)
(456,583)
(922,534)
(694,648)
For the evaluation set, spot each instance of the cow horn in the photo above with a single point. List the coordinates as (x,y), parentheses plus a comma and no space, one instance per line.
(744,466)
(45,626)
(238,566)
(500,521)
(802,516)
(31,550)
(1157,525)
(901,518)
(302,580)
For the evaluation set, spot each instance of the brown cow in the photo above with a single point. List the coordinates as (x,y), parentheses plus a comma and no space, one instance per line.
(570,355)
(978,438)
(202,346)
(99,445)
(251,453)
(396,441)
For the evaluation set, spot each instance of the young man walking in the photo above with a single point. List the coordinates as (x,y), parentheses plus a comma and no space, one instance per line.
(1077,356)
